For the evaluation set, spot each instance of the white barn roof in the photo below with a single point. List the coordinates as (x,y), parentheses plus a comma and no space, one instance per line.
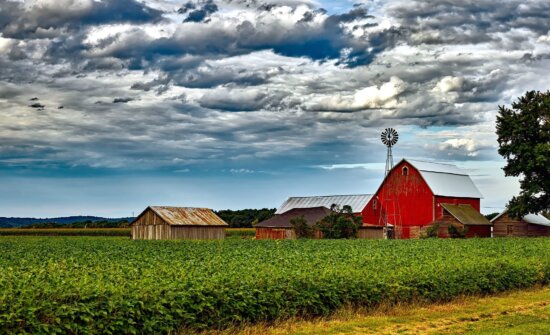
(537,219)
(357,202)
(446,179)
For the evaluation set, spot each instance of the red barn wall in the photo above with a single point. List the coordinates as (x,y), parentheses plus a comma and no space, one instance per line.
(409,195)
(274,233)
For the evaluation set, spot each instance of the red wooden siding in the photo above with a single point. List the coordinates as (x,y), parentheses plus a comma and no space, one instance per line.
(275,233)
(408,195)
(410,204)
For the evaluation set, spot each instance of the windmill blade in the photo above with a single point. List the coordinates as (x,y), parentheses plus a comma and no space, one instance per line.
(389,137)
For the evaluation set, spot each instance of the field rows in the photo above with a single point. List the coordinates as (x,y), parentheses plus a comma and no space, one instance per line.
(115,285)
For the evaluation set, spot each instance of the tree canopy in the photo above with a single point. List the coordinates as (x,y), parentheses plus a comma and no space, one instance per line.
(341,223)
(524,139)
(245,218)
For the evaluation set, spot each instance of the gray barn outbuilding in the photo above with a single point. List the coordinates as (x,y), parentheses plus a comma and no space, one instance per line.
(172,223)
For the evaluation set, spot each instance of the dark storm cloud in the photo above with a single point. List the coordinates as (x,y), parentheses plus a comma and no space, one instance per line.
(37,105)
(42,20)
(122,100)
(207,76)
(458,22)
(200,14)
(242,100)
(318,41)
(159,84)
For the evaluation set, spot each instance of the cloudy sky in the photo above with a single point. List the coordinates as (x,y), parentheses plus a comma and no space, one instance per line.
(108,106)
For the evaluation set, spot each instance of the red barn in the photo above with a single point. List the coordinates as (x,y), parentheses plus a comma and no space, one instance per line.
(410,196)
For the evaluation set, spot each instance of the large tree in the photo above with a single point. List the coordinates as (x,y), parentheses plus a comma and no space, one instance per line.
(524,138)
(340,223)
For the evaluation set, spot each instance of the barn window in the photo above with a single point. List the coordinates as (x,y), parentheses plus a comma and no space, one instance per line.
(374,204)
(509,230)
(405,171)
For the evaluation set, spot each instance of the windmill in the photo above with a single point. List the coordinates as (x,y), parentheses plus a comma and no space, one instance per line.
(391,213)
(389,137)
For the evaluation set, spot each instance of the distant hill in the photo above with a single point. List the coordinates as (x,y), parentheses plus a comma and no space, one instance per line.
(242,218)
(6,222)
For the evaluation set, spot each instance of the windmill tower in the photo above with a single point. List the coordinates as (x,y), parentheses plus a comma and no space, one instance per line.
(390,214)
(389,137)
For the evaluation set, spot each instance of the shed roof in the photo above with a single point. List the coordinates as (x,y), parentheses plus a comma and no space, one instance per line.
(537,219)
(357,202)
(312,215)
(446,180)
(466,214)
(186,216)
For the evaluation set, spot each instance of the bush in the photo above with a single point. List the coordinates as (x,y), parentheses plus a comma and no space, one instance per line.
(432,231)
(302,228)
(341,223)
(456,231)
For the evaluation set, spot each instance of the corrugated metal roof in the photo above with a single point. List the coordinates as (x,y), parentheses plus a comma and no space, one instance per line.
(436,167)
(466,214)
(451,185)
(188,216)
(446,179)
(357,202)
(312,215)
(537,219)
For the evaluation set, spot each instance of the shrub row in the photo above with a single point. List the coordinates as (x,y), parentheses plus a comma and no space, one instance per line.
(94,285)
(240,232)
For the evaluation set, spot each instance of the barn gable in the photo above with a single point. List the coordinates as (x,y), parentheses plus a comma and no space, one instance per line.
(148,217)
(357,202)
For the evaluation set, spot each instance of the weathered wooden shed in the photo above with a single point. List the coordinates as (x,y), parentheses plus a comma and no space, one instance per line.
(531,225)
(463,217)
(172,223)
(280,228)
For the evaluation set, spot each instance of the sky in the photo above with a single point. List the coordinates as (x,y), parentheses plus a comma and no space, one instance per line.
(108,106)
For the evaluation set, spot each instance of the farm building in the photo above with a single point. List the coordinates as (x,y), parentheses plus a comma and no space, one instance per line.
(412,195)
(171,223)
(279,226)
(531,225)
(357,202)
(465,218)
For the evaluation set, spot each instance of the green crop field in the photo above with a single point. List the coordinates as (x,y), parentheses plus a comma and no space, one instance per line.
(116,285)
